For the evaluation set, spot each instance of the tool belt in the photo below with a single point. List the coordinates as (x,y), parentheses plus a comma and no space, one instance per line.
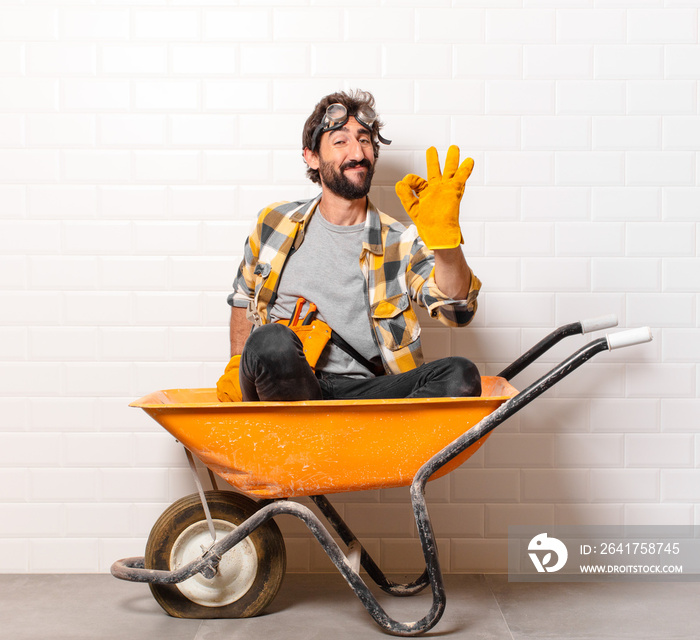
(316,334)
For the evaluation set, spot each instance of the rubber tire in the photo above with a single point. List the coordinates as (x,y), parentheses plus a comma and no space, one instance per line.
(231,507)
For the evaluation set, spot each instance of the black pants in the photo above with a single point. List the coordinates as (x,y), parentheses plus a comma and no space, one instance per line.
(273,368)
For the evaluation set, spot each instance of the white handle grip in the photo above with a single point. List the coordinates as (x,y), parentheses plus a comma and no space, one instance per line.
(629,337)
(596,324)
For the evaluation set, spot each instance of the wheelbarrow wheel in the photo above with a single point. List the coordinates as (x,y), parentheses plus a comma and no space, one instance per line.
(248,576)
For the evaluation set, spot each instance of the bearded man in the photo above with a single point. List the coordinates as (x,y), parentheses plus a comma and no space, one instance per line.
(337,264)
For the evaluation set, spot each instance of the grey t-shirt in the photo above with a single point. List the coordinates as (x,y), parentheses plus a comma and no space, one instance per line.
(325,270)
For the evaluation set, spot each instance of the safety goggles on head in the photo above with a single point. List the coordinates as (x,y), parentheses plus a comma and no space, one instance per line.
(337,115)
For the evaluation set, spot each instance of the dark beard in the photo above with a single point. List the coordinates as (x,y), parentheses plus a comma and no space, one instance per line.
(340,185)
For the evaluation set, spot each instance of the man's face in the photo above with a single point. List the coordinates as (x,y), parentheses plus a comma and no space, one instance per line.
(346,160)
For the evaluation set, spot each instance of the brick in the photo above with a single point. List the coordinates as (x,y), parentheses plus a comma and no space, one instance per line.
(91,237)
(626,132)
(487,345)
(171,166)
(530,168)
(98,520)
(91,94)
(104,24)
(525,25)
(28,23)
(52,201)
(133,274)
(620,415)
(681,274)
(200,59)
(626,203)
(237,25)
(479,556)
(98,308)
(63,415)
(12,130)
(66,130)
(12,58)
(487,61)
(64,555)
(134,485)
(61,58)
(30,379)
(520,97)
(274,60)
(26,307)
(14,485)
(589,450)
(327,25)
(597,168)
(63,485)
(622,62)
(555,415)
(401,556)
(679,485)
(569,274)
(29,166)
(546,203)
(485,485)
(666,168)
(199,344)
(13,272)
(680,415)
(525,238)
(558,61)
(169,95)
(133,344)
(417,60)
(590,97)
(660,310)
(519,450)
(681,132)
(591,25)
(133,59)
(31,237)
(681,61)
(240,95)
(661,380)
(132,130)
(455,96)
(206,202)
(239,166)
(30,449)
(589,514)
(62,343)
(488,132)
(97,166)
(663,97)
(589,238)
(530,309)
(448,25)
(543,132)
(665,239)
(665,450)
(500,517)
(64,273)
(162,308)
(98,379)
(38,519)
(625,274)
(662,25)
(624,485)
(133,202)
(166,24)
(167,238)
(652,514)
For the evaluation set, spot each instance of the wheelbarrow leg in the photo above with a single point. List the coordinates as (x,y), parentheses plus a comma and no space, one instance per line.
(369,565)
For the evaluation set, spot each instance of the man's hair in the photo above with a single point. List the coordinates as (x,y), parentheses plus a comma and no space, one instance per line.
(353,101)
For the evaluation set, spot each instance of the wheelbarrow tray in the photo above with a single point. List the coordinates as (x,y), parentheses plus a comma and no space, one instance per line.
(286,449)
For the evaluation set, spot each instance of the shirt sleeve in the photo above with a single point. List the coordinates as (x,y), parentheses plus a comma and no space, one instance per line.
(424,289)
(244,282)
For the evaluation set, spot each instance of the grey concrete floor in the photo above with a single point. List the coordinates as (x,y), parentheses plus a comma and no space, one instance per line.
(322,606)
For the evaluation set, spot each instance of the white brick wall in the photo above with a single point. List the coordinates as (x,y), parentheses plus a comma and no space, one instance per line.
(137,142)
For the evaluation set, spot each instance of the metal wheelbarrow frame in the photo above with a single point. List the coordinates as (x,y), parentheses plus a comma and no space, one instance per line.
(348,563)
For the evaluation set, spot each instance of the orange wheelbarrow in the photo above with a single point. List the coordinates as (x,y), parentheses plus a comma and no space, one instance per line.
(219,554)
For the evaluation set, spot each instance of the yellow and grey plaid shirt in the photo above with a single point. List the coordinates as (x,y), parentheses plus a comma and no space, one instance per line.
(397,266)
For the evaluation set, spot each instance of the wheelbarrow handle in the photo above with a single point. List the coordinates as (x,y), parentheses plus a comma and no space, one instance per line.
(629,338)
(596,324)
(544,345)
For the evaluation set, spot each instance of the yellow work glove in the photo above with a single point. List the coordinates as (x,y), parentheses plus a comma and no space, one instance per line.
(228,388)
(435,206)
